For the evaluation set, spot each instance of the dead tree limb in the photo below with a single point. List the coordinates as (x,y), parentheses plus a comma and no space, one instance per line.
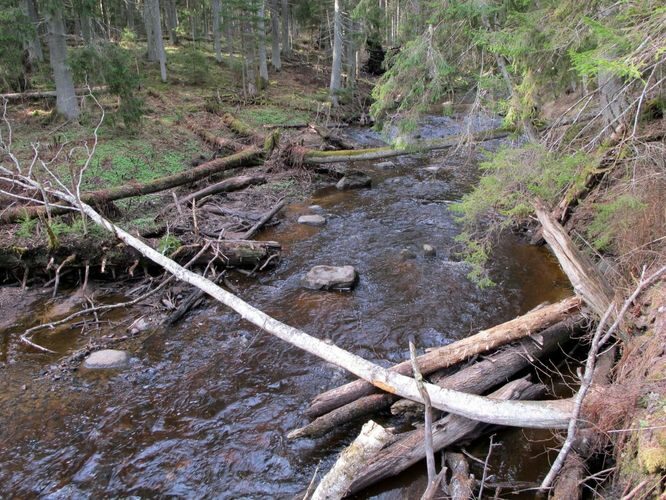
(249,234)
(456,352)
(251,156)
(220,143)
(474,379)
(408,450)
(315,157)
(372,438)
(227,185)
(430,454)
(460,486)
(49,93)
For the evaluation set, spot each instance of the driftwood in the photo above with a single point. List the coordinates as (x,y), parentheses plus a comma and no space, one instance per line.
(49,93)
(234,253)
(264,220)
(451,354)
(460,485)
(251,156)
(474,379)
(315,157)
(586,279)
(538,414)
(408,450)
(372,438)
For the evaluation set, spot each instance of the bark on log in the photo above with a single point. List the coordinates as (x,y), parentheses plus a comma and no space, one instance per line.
(474,379)
(241,128)
(586,279)
(235,253)
(251,156)
(316,157)
(537,414)
(451,354)
(218,142)
(334,485)
(334,140)
(460,486)
(49,93)
(409,450)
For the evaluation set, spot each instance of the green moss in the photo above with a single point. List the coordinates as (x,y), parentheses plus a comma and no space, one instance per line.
(652,456)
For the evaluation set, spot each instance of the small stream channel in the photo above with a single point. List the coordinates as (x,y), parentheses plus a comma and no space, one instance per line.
(205,407)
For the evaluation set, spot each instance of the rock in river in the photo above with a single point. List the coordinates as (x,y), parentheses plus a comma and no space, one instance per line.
(354,180)
(330,278)
(107,358)
(429,250)
(312,220)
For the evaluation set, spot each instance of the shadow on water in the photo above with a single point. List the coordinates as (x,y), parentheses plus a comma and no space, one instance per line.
(205,407)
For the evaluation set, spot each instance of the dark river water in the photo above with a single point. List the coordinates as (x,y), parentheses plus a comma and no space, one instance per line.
(206,406)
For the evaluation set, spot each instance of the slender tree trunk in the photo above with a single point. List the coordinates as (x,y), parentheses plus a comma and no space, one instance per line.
(172,21)
(130,8)
(154,31)
(217,10)
(250,59)
(86,27)
(228,28)
(350,52)
(611,100)
(336,70)
(286,42)
(261,36)
(106,20)
(275,34)
(33,45)
(66,102)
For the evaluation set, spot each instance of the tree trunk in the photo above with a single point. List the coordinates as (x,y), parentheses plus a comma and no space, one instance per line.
(86,28)
(350,52)
(156,50)
(275,37)
(217,42)
(612,101)
(250,156)
(286,41)
(336,68)
(410,449)
(474,379)
(460,486)
(33,44)
(130,10)
(335,484)
(172,20)
(586,279)
(249,54)
(261,37)
(66,102)
(451,354)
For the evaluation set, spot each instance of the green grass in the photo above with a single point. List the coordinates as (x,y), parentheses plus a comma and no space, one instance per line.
(272,115)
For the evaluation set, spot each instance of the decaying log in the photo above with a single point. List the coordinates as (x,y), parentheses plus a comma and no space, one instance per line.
(234,253)
(49,93)
(264,220)
(538,414)
(334,140)
(586,279)
(251,156)
(315,157)
(220,143)
(460,485)
(409,449)
(227,185)
(474,379)
(372,438)
(456,352)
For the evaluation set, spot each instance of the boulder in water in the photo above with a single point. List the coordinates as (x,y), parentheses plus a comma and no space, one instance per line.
(312,220)
(106,358)
(354,180)
(429,250)
(385,164)
(330,278)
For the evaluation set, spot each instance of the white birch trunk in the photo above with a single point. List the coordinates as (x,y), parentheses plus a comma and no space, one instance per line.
(336,69)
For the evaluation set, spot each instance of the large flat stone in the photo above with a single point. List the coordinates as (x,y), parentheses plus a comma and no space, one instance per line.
(312,220)
(330,278)
(354,180)
(107,358)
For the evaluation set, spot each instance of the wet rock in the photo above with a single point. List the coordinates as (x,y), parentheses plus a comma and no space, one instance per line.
(433,169)
(315,208)
(354,180)
(407,254)
(330,278)
(312,220)
(385,164)
(106,358)
(429,250)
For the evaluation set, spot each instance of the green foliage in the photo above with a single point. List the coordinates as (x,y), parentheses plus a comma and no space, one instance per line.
(26,228)
(197,66)
(272,115)
(15,29)
(168,244)
(111,65)
(612,218)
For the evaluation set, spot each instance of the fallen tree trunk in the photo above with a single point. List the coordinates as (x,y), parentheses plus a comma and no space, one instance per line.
(333,486)
(460,486)
(264,220)
(538,414)
(474,379)
(225,186)
(315,157)
(451,354)
(216,141)
(50,93)
(251,156)
(328,136)
(410,449)
(586,279)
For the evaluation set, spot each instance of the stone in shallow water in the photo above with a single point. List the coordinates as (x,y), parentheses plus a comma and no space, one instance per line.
(330,278)
(429,250)
(107,358)
(355,180)
(312,220)
(407,254)
(385,164)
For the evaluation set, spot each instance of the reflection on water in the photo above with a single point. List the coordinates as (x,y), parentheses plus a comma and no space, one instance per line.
(205,408)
